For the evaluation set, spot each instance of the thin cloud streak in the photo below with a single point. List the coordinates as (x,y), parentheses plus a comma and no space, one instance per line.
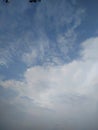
(51,26)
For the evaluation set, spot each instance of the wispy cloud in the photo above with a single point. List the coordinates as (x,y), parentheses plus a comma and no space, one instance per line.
(49,31)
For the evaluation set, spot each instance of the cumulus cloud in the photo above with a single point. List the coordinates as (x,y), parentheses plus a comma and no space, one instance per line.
(68,88)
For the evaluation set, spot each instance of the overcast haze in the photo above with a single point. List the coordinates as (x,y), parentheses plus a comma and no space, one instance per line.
(49,65)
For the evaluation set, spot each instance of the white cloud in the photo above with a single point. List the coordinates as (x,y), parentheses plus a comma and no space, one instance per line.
(73,82)
(65,93)
(91,51)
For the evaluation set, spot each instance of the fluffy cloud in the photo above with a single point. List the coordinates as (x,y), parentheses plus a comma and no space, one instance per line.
(65,89)
(50,85)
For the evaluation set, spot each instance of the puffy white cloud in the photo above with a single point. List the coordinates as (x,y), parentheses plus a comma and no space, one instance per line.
(65,93)
(50,85)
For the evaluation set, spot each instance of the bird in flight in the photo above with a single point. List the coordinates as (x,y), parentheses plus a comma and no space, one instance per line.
(31,1)
(7,1)
(34,0)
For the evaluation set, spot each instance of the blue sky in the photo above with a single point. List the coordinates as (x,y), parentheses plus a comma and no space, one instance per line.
(48,65)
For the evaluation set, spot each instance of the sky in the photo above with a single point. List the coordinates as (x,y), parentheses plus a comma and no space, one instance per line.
(48,65)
